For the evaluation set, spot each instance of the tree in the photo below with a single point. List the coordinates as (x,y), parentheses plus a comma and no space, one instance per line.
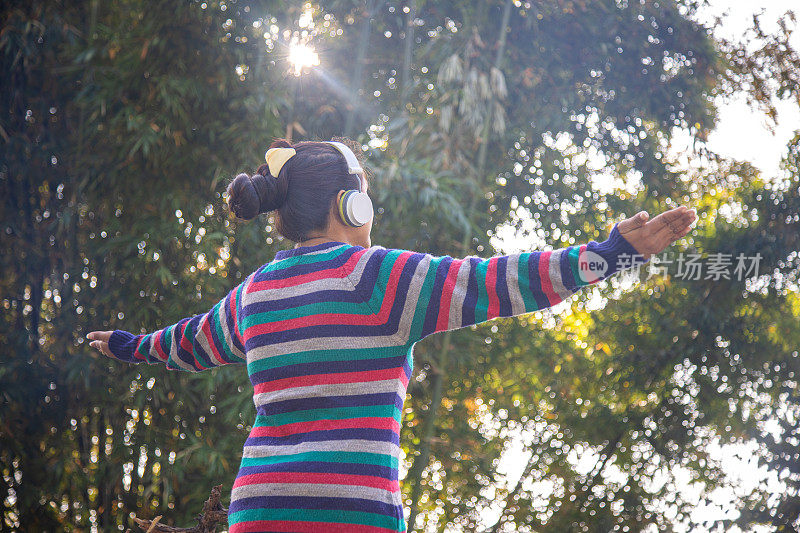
(111,180)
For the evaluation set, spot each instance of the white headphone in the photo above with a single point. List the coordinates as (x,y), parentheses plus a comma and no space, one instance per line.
(355,206)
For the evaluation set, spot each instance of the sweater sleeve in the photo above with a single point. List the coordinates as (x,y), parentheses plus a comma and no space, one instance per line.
(416,294)
(192,344)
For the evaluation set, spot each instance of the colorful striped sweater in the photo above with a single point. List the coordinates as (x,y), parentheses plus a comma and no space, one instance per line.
(327,333)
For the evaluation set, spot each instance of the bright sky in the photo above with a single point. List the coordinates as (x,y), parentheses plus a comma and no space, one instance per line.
(742,134)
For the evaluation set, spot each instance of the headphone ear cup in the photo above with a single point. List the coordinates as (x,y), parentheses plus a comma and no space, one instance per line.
(361,208)
(355,208)
(341,208)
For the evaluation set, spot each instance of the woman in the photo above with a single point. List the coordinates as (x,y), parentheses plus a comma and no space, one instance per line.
(327,331)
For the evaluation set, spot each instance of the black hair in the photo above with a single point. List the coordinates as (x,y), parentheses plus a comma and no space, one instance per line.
(302,192)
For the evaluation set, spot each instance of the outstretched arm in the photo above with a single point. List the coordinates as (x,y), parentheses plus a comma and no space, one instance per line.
(414,294)
(192,344)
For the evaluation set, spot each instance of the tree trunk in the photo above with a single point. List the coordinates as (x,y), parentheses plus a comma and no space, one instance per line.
(363,42)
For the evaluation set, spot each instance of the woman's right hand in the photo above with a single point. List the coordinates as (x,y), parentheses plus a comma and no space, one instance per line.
(100,341)
(652,236)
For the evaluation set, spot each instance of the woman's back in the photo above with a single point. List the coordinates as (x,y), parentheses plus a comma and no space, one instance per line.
(329,385)
(329,332)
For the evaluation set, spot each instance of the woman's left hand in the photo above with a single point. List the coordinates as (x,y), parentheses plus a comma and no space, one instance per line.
(652,236)
(100,341)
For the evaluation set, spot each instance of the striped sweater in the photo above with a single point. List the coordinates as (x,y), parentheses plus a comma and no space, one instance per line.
(327,333)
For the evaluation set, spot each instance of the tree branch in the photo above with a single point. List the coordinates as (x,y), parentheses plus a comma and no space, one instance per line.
(213,514)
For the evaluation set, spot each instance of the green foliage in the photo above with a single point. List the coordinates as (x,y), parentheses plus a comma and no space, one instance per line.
(111,178)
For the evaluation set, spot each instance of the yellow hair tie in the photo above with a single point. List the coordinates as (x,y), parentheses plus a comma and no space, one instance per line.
(276,157)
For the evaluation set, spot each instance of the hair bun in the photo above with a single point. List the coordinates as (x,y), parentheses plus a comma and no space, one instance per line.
(268,191)
(250,195)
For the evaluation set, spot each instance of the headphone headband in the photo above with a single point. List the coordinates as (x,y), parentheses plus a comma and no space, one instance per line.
(353,165)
